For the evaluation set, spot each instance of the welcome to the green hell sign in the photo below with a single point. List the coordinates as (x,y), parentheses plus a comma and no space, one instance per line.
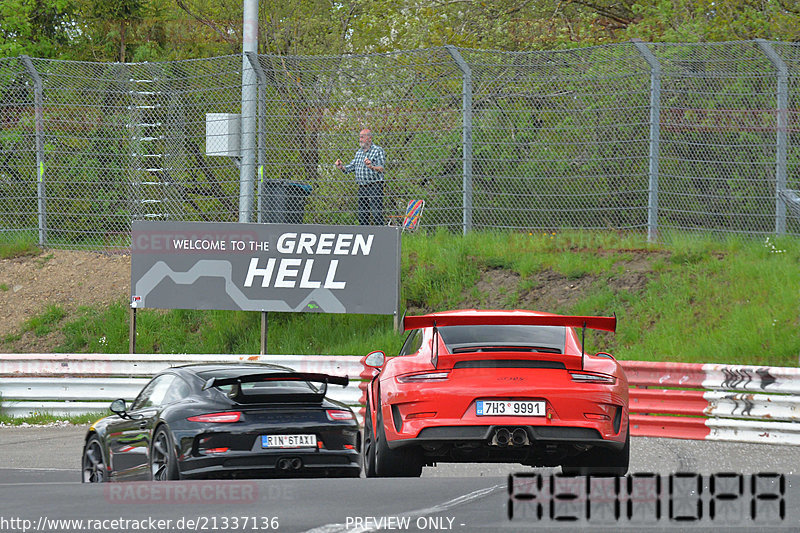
(266,267)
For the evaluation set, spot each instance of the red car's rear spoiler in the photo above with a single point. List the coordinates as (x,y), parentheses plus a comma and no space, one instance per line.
(605,323)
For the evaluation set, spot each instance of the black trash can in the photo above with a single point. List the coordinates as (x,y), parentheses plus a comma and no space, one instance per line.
(283,201)
(296,196)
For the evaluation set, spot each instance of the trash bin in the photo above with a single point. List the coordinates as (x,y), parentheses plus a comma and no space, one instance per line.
(296,196)
(283,201)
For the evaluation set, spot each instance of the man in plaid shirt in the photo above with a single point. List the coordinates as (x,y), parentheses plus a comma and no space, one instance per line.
(368,165)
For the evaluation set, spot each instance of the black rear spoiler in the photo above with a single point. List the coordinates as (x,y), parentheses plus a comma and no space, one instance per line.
(278,376)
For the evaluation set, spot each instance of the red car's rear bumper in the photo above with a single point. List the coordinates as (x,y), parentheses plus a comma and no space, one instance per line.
(446,411)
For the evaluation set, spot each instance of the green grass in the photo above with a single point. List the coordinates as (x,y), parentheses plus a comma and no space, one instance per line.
(43,418)
(732,301)
(4,287)
(43,323)
(16,246)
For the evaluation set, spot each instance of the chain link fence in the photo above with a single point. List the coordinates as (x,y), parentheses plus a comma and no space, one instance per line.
(655,138)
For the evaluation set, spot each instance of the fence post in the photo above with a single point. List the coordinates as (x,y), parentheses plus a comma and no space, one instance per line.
(655,137)
(262,118)
(38,107)
(247,164)
(466,136)
(782,140)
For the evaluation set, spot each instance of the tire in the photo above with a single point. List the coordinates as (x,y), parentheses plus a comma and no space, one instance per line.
(163,458)
(368,445)
(94,468)
(394,463)
(601,462)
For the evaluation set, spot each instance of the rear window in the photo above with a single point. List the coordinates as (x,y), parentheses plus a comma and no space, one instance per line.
(459,339)
(261,387)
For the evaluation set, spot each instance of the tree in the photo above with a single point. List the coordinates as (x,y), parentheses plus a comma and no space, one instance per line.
(113,18)
(39,28)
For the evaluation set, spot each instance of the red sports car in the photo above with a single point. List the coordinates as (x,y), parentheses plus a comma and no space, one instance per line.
(497,386)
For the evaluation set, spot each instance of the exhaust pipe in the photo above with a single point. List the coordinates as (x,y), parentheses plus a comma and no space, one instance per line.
(284,464)
(296,463)
(520,437)
(502,437)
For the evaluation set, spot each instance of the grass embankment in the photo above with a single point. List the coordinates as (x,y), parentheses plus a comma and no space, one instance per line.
(693,300)
(43,419)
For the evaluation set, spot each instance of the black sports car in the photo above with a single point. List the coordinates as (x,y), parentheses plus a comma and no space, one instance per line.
(225,420)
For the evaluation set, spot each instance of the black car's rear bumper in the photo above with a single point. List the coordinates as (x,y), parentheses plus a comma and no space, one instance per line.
(278,463)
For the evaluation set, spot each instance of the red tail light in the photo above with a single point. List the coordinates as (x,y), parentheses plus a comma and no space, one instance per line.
(339,414)
(420,378)
(585,377)
(217,418)
(216,450)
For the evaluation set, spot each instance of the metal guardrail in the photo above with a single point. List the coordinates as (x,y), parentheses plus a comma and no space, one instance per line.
(69,384)
(714,402)
(673,400)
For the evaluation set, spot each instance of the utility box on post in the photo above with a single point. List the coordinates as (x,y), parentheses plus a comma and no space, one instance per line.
(223,134)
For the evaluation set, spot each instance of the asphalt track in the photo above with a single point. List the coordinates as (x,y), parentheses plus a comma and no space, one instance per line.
(39,486)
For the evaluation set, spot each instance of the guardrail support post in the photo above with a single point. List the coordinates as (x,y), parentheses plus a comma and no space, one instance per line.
(782,134)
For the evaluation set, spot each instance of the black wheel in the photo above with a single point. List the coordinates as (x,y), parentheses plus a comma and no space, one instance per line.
(601,461)
(94,468)
(163,459)
(394,463)
(368,446)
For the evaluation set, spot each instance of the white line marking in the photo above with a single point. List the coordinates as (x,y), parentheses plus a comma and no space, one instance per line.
(474,495)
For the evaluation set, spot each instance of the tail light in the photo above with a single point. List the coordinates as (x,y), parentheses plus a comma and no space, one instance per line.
(422,378)
(339,414)
(584,377)
(215,450)
(217,418)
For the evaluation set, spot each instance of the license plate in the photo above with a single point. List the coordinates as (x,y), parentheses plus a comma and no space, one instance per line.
(288,441)
(509,408)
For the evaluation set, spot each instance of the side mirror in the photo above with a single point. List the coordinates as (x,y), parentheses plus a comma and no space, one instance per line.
(118,408)
(375,359)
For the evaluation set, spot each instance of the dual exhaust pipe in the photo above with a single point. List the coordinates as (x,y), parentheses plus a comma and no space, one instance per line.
(289,464)
(510,437)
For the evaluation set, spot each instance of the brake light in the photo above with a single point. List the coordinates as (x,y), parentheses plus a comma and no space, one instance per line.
(339,414)
(217,418)
(583,377)
(422,378)
(216,450)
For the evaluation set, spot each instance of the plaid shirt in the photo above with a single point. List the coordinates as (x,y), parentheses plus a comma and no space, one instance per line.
(365,175)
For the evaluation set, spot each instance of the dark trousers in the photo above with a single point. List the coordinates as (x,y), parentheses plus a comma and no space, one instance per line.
(370,204)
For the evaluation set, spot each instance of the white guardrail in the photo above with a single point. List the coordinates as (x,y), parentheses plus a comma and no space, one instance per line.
(673,400)
(70,384)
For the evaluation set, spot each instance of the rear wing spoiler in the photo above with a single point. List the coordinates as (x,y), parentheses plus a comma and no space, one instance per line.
(604,323)
(278,376)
